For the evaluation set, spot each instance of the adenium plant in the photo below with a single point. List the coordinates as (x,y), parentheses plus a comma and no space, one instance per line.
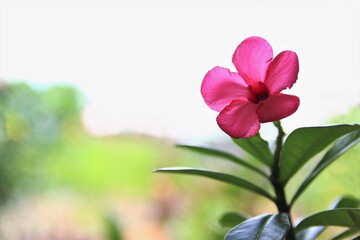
(244,100)
(253,94)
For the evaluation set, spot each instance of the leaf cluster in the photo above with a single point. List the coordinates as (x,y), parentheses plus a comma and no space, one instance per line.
(299,148)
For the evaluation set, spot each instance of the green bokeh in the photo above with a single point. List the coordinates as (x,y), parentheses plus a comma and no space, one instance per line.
(47,151)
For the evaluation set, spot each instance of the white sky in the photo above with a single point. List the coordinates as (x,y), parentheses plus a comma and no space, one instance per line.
(140,63)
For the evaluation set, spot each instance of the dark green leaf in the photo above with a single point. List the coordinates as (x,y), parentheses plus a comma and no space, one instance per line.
(232,219)
(223,177)
(257,147)
(261,228)
(112,228)
(304,143)
(312,232)
(346,202)
(221,154)
(346,234)
(336,151)
(342,217)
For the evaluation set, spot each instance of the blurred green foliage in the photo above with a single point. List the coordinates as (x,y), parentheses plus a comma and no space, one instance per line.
(113,231)
(47,149)
(37,123)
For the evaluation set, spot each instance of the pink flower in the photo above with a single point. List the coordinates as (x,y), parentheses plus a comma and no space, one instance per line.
(252,95)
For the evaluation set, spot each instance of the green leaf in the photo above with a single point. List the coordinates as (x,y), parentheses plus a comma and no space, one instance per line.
(223,177)
(342,217)
(221,154)
(232,219)
(112,228)
(257,147)
(261,228)
(310,233)
(346,234)
(340,147)
(304,143)
(313,232)
(347,202)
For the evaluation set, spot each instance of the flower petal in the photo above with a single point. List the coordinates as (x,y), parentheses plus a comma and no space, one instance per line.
(252,58)
(239,119)
(283,72)
(220,87)
(277,107)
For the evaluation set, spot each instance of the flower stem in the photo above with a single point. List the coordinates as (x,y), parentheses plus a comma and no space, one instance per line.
(281,203)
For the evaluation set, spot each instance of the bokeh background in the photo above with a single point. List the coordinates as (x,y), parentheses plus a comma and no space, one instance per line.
(96,94)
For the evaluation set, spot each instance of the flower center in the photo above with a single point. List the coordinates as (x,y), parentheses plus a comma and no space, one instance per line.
(257,92)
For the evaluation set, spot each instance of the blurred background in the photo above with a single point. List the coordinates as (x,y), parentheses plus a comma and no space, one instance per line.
(96,93)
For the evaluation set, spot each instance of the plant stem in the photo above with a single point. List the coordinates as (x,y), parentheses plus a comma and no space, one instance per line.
(281,204)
